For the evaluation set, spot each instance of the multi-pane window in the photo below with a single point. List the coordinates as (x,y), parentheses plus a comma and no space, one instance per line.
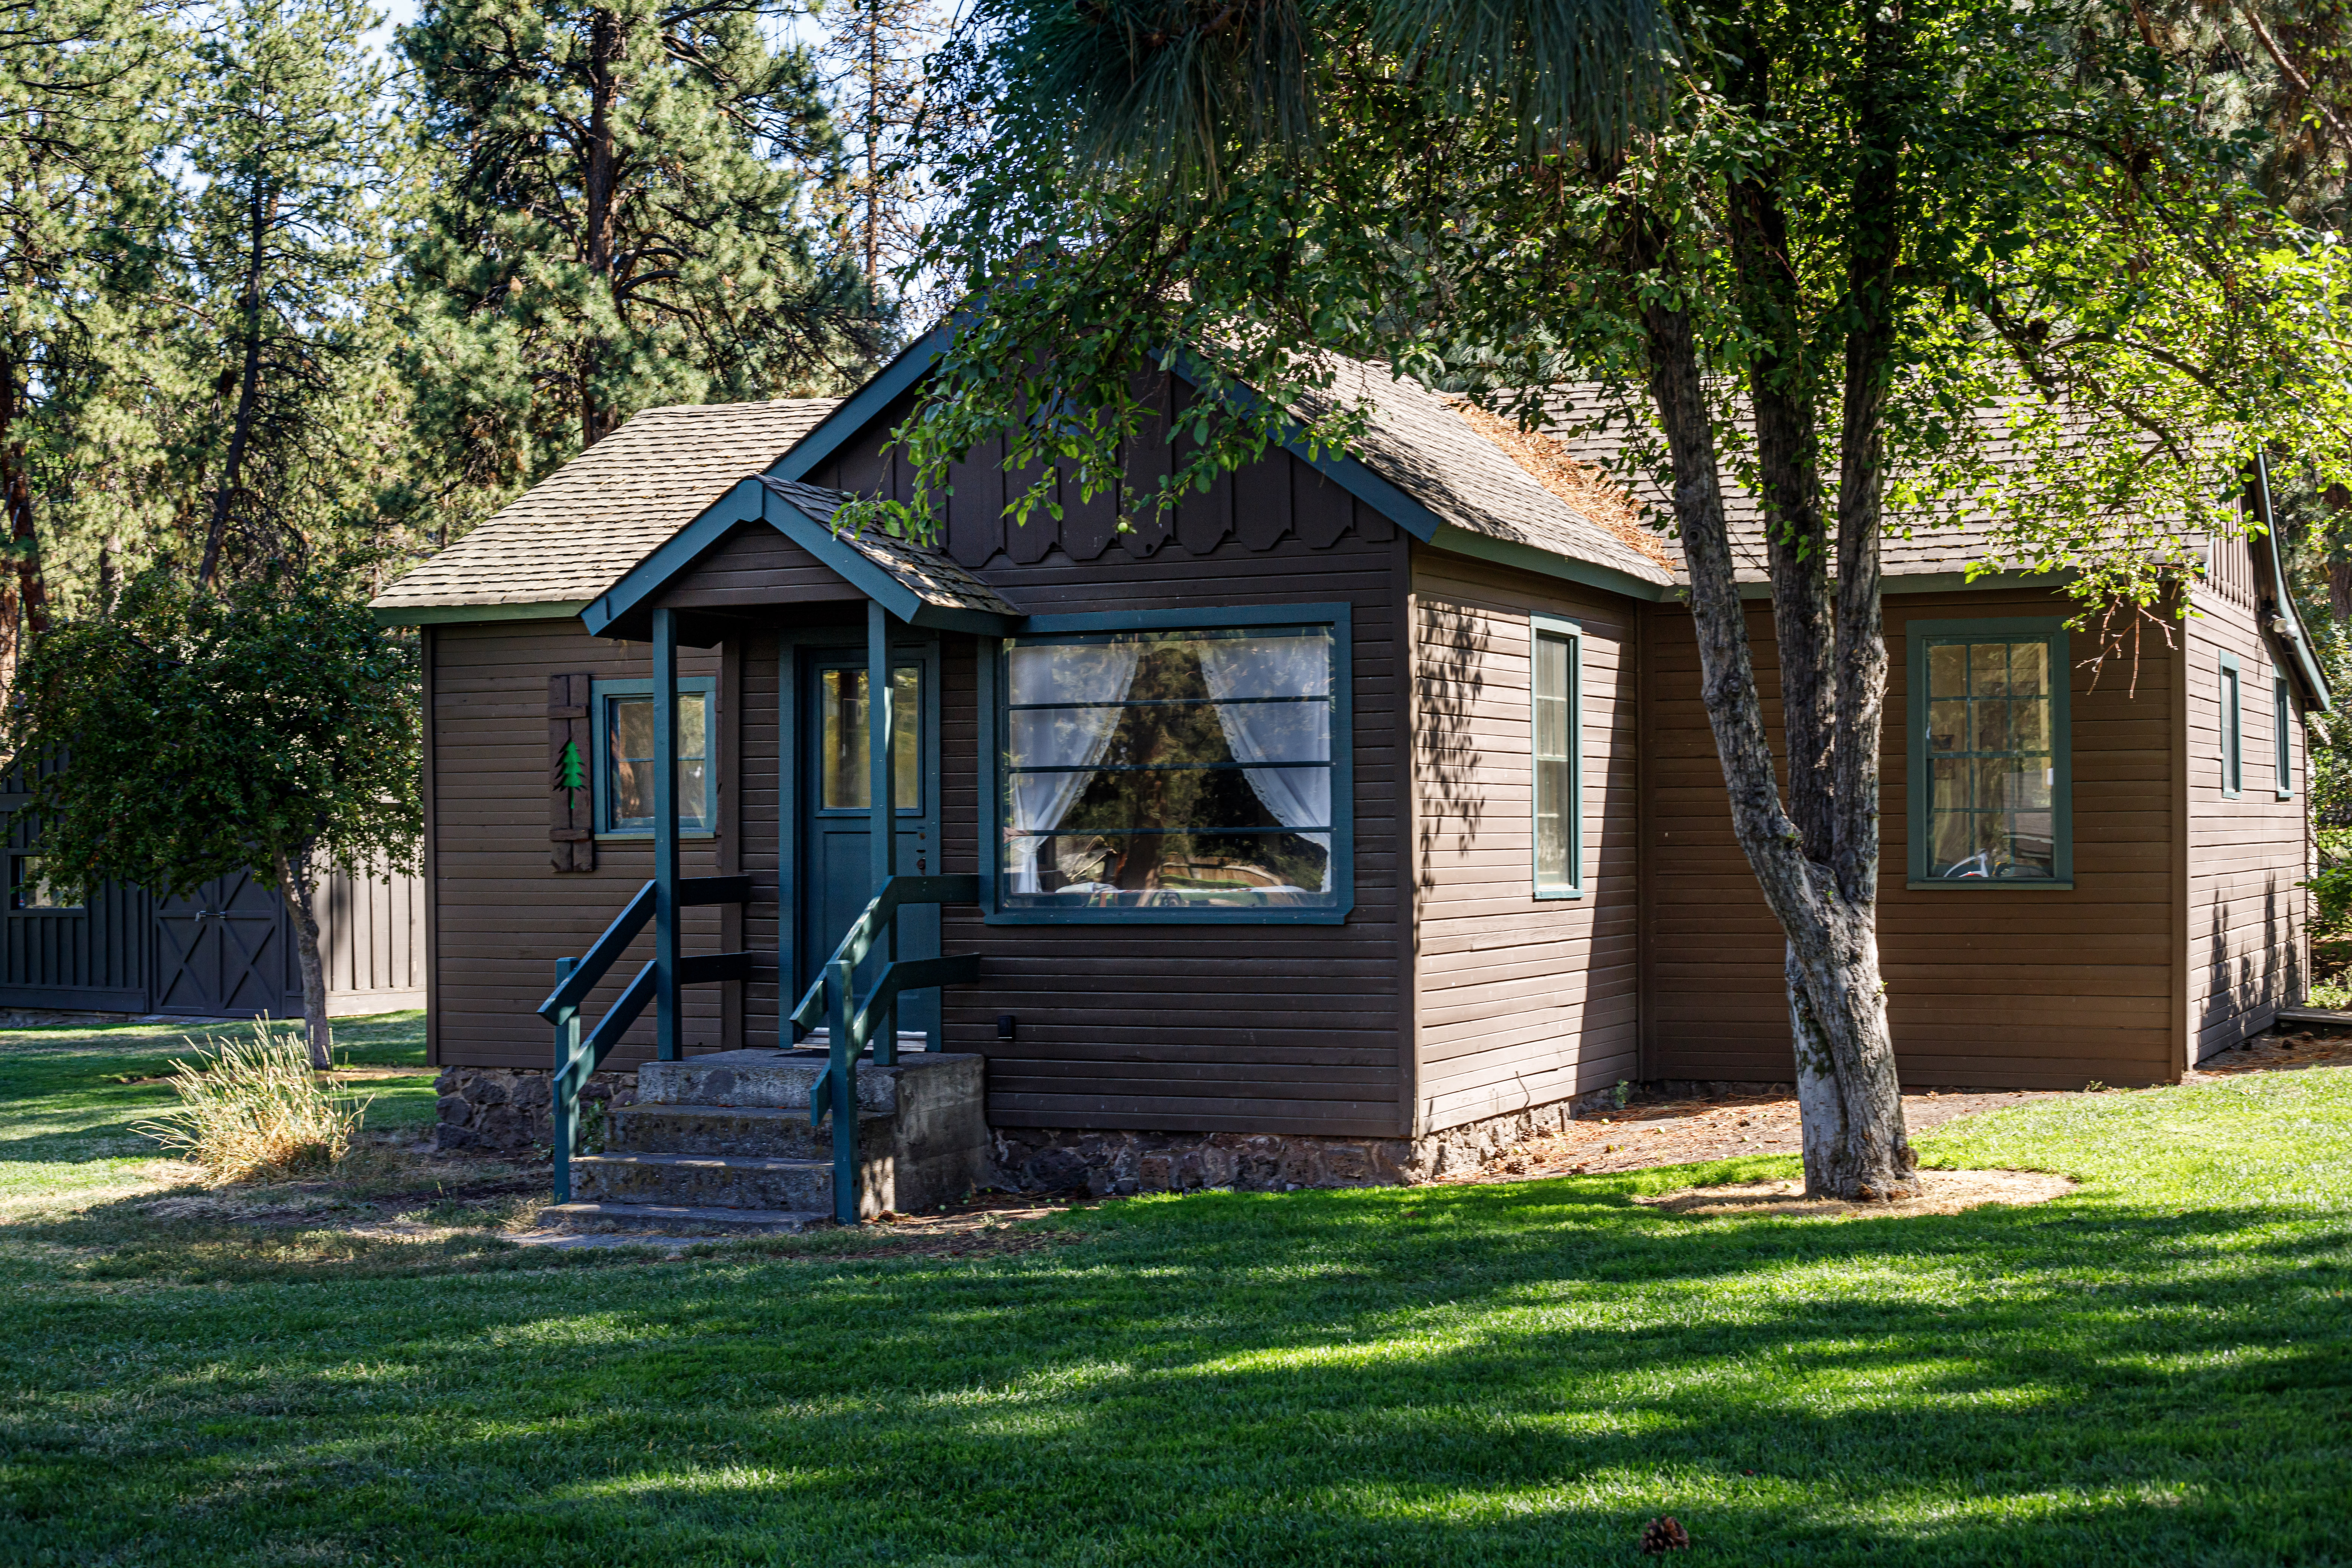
(2233,726)
(1554,698)
(1989,753)
(1171,770)
(2282,728)
(624,781)
(845,768)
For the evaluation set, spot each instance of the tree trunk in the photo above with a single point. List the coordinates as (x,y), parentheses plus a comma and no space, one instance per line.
(601,185)
(1851,1104)
(297,884)
(25,606)
(262,218)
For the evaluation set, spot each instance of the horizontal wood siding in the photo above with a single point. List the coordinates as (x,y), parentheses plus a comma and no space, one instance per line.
(757,841)
(2246,854)
(1519,1001)
(501,916)
(1985,987)
(754,564)
(1273,1028)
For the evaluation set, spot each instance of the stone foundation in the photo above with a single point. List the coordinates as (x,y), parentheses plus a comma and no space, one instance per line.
(1107,1165)
(504,1110)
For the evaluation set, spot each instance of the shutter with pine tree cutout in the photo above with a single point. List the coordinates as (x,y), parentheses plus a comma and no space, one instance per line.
(571,800)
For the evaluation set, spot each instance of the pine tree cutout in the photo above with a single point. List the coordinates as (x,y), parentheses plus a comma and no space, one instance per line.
(572,776)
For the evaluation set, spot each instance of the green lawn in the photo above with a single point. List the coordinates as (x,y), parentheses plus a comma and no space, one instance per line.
(2156,1369)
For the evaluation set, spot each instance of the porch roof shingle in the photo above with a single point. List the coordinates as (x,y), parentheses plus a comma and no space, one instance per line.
(925,571)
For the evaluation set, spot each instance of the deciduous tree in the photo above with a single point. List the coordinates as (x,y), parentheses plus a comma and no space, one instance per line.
(1961,256)
(271,725)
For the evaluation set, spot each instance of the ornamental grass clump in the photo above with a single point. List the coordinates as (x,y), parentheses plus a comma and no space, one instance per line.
(255,1109)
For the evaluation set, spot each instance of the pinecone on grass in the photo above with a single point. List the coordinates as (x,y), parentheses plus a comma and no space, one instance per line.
(1665,1535)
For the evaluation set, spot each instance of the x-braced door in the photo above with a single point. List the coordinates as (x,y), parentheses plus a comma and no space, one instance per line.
(226,950)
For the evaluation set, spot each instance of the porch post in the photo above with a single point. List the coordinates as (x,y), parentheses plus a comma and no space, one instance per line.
(665,834)
(881,731)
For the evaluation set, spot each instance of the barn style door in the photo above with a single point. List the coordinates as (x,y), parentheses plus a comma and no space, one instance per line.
(225,950)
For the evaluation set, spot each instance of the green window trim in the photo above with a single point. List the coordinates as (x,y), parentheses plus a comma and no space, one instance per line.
(995,737)
(602,694)
(2231,695)
(1566,783)
(1921,637)
(2282,723)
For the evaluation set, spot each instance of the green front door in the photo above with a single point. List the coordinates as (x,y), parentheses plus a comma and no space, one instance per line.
(835,866)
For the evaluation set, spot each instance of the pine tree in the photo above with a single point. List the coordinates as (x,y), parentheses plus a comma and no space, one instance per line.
(80,200)
(283,248)
(616,218)
(874,57)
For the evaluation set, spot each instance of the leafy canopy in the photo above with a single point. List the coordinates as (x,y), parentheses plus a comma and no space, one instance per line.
(272,726)
(2097,315)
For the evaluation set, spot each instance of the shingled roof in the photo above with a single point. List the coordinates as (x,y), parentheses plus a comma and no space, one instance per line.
(929,573)
(580,529)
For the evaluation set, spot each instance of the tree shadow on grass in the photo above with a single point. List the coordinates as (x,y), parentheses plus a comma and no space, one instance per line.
(1502,1374)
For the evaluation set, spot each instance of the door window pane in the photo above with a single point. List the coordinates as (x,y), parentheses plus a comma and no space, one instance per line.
(1991,757)
(845,780)
(1180,768)
(629,763)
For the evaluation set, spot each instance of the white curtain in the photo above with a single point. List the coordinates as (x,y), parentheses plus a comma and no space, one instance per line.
(1073,738)
(1246,667)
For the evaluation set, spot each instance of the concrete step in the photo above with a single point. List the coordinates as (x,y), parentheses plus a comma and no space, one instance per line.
(704,1181)
(759,1131)
(679,1217)
(777,1080)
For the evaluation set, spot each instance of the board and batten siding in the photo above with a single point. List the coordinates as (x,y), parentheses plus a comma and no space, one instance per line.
(1986,986)
(2245,948)
(1520,1001)
(372,943)
(501,916)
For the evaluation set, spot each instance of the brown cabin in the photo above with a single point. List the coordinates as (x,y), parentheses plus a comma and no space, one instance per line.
(1355,820)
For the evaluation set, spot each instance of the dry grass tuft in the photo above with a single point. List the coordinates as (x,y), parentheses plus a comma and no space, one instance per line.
(1585,488)
(256,1110)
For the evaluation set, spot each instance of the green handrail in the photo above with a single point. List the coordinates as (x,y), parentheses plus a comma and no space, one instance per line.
(851,1023)
(578,1059)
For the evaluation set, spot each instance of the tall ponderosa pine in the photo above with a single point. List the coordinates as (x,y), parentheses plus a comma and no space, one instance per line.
(284,247)
(79,204)
(615,219)
(873,59)
(1837,252)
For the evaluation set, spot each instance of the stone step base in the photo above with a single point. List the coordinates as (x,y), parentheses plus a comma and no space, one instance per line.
(678,1217)
(782,1079)
(704,1181)
(760,1131)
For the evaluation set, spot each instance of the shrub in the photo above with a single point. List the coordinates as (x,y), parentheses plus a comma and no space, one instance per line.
(255,1109)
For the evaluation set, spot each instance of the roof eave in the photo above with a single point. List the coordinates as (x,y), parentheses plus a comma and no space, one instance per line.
(2296,636)
(433,615)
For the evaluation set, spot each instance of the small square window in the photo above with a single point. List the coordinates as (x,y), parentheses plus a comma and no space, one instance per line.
(29,888)
(625,750)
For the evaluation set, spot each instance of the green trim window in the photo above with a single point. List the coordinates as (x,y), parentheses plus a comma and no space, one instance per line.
(1173,766)
(1991,769)
(2282,730)
(1556,718)
(623,712)
(2233,727)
